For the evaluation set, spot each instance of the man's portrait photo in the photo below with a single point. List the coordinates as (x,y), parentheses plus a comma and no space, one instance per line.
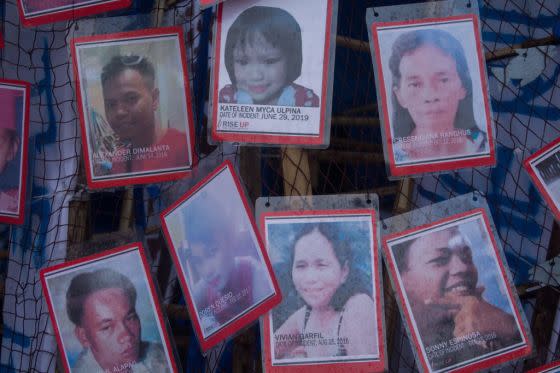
(456,296)
(327,266)
(14,124)
(36,12)
(104,313)
(220,263)
(271,67)
(434,97)
(135,105)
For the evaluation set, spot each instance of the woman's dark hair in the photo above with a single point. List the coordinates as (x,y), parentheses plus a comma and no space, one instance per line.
(449,45)
(354,284)
(277,26)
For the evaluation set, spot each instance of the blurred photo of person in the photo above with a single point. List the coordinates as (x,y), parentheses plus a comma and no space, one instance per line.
(11,104)
(133,138)
(102,306)
(337,317)
(441,283)
(432,96)
(263,57)
(225,272)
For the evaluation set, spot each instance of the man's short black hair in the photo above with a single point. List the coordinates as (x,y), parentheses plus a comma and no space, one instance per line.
(87,283)
(119,63)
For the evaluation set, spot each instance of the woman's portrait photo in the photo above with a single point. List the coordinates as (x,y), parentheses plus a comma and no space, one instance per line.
(270,66)
(327,270)
(106,314)
(14,97)
(37,12)
(456,295)
(435,100)
(135,103)
(544,169)
(221,263)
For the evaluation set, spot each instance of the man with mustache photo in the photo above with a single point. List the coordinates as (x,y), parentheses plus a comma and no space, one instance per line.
(102,306)
(455,322)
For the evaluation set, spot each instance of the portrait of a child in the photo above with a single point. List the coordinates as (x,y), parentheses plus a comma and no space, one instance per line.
(263,57)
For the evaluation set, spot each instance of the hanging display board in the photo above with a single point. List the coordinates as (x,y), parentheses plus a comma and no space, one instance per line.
(544,169)
(135,106)
(105,313)
(272,72)
(329,271)
(221,262)
(37,12)
(432,90)
(14,135)
(453,287)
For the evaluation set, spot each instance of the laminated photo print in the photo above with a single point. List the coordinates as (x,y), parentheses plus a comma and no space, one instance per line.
(105,314)
(14,133)
(452,285)
(271,76)
(432,94)
(331,315)
(221,263)
(135,106)
(544,169)
(37,12)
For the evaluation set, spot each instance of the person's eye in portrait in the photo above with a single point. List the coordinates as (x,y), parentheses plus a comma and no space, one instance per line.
(441,282)
(432,98)
(263,58)
(338,310)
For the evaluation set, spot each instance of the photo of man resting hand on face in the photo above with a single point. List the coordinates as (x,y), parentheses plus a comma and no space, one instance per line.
(457,319)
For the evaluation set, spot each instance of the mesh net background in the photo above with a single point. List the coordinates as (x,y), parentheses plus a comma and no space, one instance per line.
(65,220)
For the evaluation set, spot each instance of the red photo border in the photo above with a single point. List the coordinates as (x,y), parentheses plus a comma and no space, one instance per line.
(276,139)
(540,186)
(78,11)
(378,365)
(440,165)
(131,180)
(480,364)
(209,3)
(153,293)
(547,368)
(256,312)
(19,217)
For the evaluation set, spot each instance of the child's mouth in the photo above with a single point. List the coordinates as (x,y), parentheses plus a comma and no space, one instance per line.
(260,88)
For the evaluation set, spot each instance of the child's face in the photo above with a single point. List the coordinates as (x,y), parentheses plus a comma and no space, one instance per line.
(430,88)
(260,70)
(213,262)
(8,148)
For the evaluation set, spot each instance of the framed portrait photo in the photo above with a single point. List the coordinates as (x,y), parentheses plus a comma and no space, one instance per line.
(544,169)
(221,263)
(37,12)
(331,315)
(433,95)
(453,289)
(272,63)
(135,106)
(14,134)
(105,313)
